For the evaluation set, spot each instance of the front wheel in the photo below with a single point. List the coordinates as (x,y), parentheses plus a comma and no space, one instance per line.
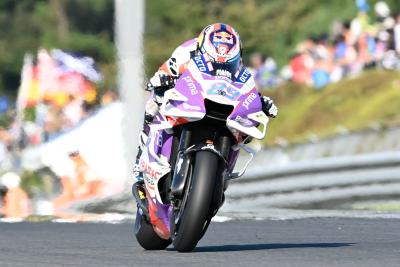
(146,236)
(199,193)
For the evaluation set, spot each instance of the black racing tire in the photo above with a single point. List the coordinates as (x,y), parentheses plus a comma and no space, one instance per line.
(146,236)
(195,213)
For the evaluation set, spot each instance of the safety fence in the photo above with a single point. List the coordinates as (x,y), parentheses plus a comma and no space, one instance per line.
(321,183)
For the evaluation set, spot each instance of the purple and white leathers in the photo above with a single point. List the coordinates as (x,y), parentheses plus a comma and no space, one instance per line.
(191,151)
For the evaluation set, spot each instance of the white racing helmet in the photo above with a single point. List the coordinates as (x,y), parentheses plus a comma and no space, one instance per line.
(220,43)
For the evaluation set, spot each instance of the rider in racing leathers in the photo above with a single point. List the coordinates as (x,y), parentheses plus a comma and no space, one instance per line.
(221,45)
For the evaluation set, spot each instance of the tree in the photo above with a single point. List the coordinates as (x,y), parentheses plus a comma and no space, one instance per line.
(27,25)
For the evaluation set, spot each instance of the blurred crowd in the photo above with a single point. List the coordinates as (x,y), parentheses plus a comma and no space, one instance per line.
(52,119)
(350,47)
(58,92)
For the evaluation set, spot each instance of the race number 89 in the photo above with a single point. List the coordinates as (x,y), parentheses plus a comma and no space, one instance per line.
(222,89)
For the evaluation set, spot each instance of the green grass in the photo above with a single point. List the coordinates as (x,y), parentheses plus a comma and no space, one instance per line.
(354,104)
(379,206)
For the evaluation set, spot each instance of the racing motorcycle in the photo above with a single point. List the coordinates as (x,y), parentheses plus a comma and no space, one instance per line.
(191,151)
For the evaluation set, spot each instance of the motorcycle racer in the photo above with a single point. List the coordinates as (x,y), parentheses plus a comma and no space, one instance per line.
(220,44)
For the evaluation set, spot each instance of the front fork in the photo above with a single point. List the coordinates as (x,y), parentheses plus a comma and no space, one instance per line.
(184,160)
(181,168)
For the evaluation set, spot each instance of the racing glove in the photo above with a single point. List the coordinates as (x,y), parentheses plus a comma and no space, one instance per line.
(268,106)
(160,82)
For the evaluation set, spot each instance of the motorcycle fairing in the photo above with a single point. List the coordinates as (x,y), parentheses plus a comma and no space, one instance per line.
(159,214)
(154,164)
(186,103)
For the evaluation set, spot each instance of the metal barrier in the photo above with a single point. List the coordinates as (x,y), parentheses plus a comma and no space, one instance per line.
(318,183)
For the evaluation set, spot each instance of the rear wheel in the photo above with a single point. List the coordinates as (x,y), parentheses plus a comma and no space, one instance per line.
(194,217)
(146,236)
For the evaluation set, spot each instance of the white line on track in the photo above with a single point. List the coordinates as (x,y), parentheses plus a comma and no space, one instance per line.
(270,214)
(11,220)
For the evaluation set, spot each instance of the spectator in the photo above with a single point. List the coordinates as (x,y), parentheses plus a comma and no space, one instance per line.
(15,200)
(345,55)
(301,65)
(78,181)
(366,50)
(264,70)
(382,10)
(72,112)
(362,6)
(3,192)
(397,35)
(108,98)
(3,147)
(323,57)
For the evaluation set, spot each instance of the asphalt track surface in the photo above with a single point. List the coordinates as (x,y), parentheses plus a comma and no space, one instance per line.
(302,242)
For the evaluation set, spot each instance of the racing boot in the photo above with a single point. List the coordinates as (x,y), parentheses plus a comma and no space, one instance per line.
(137,173)
(138,188)
(139,193)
